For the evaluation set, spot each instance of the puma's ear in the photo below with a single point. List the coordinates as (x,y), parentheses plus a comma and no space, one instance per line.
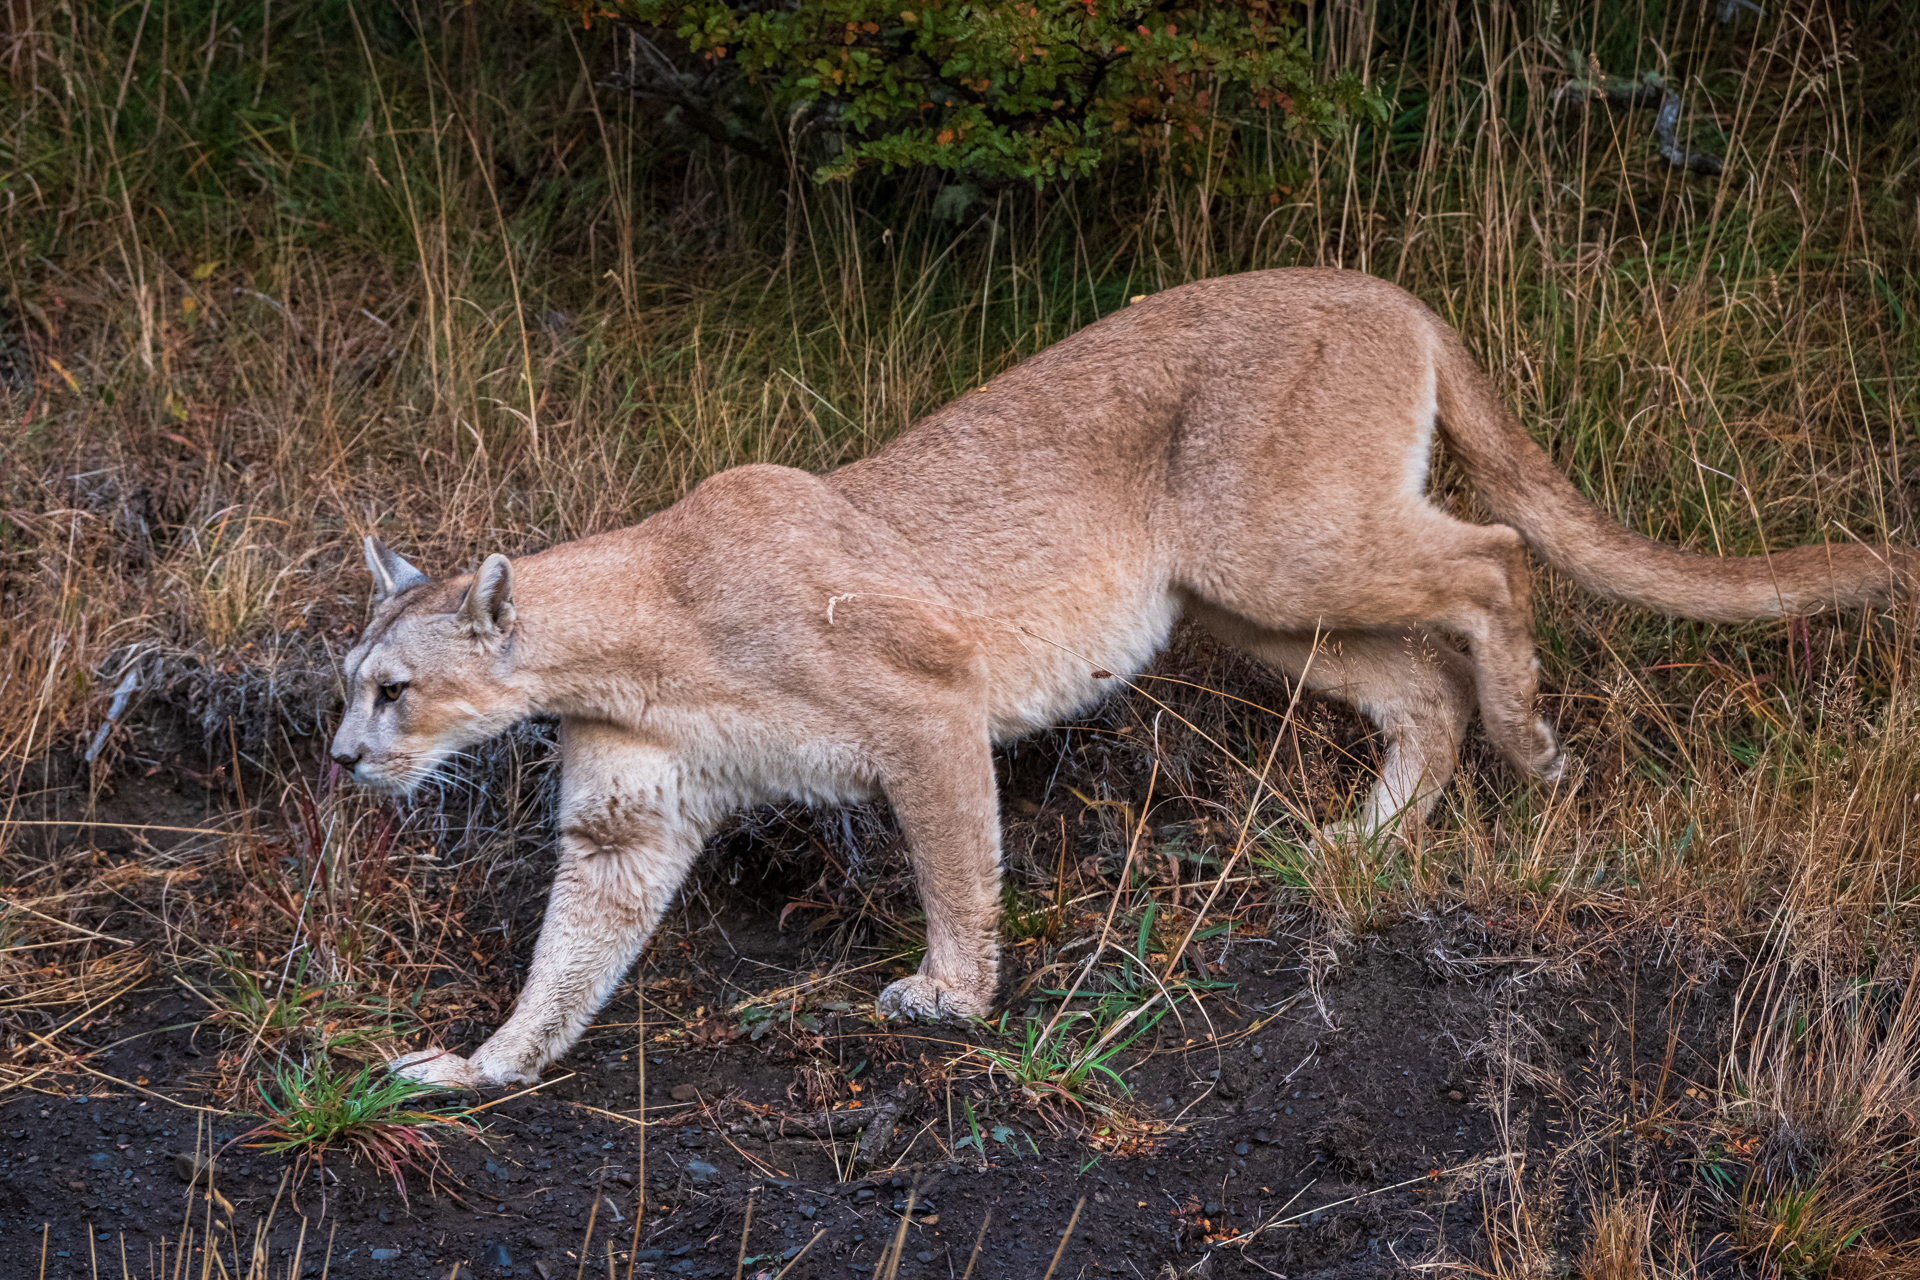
(391,574)
(487,612)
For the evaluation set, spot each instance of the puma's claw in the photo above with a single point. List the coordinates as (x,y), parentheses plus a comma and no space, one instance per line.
(923,997)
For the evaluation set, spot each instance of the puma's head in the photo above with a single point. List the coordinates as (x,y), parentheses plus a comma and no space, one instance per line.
(430,676)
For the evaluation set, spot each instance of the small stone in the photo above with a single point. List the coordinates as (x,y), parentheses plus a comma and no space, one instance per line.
(189,1170)
(1213,1208)
(384,1216)
(807,1211)
(791,1253)
(76,1185)
(1240,1148)
(1261,1135)
(499,1257)
(1259,1052)
(685,1092)
(864,1194)
(385,1255)
(702,1171)
(650,1255)
(1456,1096)
(924,1255)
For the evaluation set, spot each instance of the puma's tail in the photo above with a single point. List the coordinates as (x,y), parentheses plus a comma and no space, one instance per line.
(1520,483)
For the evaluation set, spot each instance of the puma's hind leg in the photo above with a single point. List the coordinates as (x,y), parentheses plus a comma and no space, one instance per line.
(1410,571)
(1494,611)
(1415,687)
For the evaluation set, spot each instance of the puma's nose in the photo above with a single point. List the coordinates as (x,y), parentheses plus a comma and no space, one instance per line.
(346,761)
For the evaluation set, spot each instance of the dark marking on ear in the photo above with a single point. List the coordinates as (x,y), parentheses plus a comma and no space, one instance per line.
(391,573)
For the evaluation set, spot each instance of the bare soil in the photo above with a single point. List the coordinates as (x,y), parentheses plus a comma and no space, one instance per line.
(1336,1112)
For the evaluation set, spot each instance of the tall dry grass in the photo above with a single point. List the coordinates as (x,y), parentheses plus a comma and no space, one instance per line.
(380,269)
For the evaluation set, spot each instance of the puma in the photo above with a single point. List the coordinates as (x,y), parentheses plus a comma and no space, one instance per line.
(1250,452)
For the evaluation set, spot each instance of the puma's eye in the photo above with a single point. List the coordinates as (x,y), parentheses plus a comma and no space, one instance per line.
(392,692)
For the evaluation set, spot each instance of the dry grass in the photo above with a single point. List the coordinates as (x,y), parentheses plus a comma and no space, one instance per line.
(257,305)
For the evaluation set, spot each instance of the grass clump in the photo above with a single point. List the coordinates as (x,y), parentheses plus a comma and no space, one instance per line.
(311,1108)
(1054,1068)
(292,1011)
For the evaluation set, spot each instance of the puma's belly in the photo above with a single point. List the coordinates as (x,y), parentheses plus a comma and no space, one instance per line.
(1042,668)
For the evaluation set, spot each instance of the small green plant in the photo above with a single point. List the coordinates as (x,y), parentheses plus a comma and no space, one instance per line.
(1353,878)
(1117,993)
(312,1108)
(1801,1229)
(1023,916)
(1051,1065)
(283,1014)
(973,1123)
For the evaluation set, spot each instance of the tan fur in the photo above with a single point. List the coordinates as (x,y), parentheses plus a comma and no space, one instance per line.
(1248,451)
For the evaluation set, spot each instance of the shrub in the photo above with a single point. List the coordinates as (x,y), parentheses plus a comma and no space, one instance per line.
(1027,90)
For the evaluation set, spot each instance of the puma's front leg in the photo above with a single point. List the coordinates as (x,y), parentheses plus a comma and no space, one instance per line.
(944,797)
(626,842)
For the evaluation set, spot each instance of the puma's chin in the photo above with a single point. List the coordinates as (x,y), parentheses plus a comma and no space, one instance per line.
(394,778)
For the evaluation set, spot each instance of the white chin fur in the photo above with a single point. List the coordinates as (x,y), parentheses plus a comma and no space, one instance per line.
(385,784)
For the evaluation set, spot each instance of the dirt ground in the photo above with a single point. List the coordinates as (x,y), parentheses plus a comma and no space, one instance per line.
(1333,1107)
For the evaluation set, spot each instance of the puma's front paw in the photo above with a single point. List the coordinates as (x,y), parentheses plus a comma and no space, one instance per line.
(923,997)
(448,1070)
(440,1067)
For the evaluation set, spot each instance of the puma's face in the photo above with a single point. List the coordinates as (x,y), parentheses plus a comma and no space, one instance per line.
(424,683)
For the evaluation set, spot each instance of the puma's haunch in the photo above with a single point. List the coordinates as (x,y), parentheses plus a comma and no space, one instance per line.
(1250,452)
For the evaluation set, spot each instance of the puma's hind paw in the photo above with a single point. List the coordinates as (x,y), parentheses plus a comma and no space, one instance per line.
(923,997)
(1549,762)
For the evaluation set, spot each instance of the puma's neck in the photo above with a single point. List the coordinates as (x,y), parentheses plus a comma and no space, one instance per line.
(610,651)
